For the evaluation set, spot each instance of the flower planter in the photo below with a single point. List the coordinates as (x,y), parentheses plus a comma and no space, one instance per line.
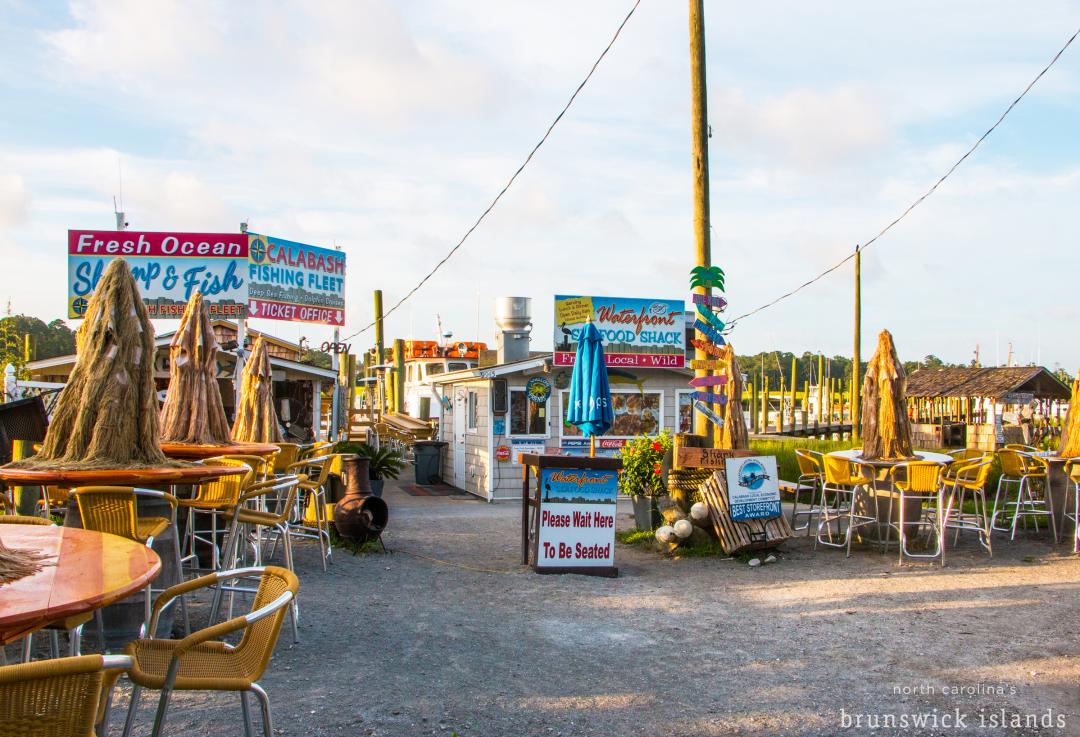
(646,513)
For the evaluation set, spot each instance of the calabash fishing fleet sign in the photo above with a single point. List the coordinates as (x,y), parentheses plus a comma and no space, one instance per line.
(168,268)
(753,488)
(636,332)
(295,282)
(577,518)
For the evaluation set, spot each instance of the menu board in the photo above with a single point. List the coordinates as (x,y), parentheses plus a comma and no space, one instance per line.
(636,413)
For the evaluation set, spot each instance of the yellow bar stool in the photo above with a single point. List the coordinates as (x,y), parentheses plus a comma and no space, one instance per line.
(312,497)
(920,481)
(1029,475)
(286,456)
(843,479)
(1072,470)
(960,479)
(812,477)
(212,499)
(113,510)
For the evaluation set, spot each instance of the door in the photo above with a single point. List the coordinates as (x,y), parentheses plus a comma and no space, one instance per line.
(461,411)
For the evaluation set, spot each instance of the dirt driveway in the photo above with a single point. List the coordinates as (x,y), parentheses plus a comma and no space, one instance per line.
(815,644)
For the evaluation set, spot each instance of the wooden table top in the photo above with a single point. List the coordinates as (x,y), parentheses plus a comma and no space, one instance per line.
(920,455)
(91,570)
(115,476)
(190,451)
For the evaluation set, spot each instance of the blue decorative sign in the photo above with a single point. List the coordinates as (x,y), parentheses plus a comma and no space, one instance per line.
(753,488)
(538,390)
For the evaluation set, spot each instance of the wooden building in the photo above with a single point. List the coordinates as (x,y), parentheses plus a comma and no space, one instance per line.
(980,407)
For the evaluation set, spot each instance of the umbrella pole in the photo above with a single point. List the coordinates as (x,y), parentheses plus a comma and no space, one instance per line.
(592,446)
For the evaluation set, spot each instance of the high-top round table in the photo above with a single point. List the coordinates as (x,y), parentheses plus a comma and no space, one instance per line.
(86,570)
(201,452)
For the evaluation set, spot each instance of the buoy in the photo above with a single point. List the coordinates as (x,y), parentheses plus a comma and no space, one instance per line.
(699,511)
(683,529)
(665,533)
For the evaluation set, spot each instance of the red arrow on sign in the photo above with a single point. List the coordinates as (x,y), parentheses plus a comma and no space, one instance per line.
(708,381)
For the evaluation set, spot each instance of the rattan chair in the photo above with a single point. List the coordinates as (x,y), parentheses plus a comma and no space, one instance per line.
(65,697)
(286,456)
(213,499)
(114,510)
(314,450)
(312,498)
(1025,472)
(843,479)
(959,480)
(24,519)
(202,662)
(921,481)
(277,498)
(812,478)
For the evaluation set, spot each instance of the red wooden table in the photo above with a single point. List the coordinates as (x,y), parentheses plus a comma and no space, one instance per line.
(86,570)
(200,452)
(114,476)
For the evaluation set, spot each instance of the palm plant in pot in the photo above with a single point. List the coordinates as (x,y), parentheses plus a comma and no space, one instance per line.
(384,464)
(642,476)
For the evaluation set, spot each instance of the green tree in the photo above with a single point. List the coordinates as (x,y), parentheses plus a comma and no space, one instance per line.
(46,340)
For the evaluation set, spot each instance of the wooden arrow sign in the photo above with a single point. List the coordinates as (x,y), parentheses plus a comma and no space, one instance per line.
(710,398)
(707,316)
(706,346)
(707,365)
(708,331)
(709,380)
(710,300)
(713,417)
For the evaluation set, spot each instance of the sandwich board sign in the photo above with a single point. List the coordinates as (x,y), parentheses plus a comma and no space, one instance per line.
(753,488)
(577,518)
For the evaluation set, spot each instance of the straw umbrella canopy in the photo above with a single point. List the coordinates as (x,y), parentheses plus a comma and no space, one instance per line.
(732,435)
(886,430)
(256,419)
(1070,434)
(107,415)
(193,412)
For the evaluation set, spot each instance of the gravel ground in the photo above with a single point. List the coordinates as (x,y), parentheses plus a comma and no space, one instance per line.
(400,644)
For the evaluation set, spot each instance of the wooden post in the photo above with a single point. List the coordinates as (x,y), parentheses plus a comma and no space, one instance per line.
(820,384)
(699,137)
(856,372)
(794,384)
(380,348)
(753,407)
(806,404)
(399,376)
(765,405)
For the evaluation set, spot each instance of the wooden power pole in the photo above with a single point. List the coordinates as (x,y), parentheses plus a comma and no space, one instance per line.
(856,362)
(699,134)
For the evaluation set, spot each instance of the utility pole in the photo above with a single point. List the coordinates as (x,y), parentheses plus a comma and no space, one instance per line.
(699,136)
(379,350)
(856,362)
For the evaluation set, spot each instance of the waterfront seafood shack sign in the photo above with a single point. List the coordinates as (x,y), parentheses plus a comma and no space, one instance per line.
(168,268)
(636,332)
(295,282)
(577,518)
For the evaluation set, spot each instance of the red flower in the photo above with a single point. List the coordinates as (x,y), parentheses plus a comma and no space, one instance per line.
(656,469)
(657,446)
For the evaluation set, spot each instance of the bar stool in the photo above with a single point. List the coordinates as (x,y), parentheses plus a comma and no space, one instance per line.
(213,499)
(844,482)
(961,478)
(920,480)
(811,477)
(287,454)
(1072,470)
(1022,470)
(312,493)
(113,510)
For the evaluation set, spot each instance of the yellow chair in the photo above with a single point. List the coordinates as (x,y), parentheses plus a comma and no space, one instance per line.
(318,448)
(202,662)
(286,456)
(65,697)
(921,481)
(276,498)
(960,479)
(114,510)
(311,520)
(812,477)
(213,499)
(1072,470)
(843,479)
(1024,471)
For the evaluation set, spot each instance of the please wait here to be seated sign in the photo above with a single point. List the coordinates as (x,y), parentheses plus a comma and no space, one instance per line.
(577,518)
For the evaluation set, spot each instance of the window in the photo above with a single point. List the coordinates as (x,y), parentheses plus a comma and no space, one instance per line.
(685,411)
(435,368)
(636,413)
(458,366)
(471,415)
(527,418)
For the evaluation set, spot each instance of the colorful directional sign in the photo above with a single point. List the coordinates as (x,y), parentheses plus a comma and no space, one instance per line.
(713,417)
(709,332)
(707,315)
(708,381)
(710,300)
(710,398)
(706,346)
(704,365)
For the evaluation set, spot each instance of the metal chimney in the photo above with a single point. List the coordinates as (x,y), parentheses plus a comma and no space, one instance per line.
(513,324)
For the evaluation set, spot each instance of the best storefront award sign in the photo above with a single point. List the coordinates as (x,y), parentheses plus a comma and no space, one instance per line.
(577,518)
(295,282)
(753,488)
(168,267)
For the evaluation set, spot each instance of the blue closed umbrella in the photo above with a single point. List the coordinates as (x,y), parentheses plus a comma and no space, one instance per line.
(590,395)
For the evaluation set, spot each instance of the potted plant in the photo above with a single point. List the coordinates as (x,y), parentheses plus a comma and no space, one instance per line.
(642,477)
(384,464)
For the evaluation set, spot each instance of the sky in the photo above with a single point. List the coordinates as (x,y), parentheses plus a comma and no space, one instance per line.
(385,127)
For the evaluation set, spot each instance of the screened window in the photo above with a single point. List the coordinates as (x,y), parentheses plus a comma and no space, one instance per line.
(526,418)
(473,398)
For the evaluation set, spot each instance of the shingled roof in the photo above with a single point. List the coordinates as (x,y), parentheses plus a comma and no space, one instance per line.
(986,382)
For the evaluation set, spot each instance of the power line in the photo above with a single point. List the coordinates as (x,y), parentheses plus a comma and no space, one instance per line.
(919,201)
(510,181)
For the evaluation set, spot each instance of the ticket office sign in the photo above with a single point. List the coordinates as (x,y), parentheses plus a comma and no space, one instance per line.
(168,267)
(577,518)
(295,282)
(753,488)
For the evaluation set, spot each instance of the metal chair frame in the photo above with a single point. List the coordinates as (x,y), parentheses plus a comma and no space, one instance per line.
(908,488)
(313,491)
(845,488)
(812,477)
(213,510)
(1072,472)
(1027,468)
(959,479)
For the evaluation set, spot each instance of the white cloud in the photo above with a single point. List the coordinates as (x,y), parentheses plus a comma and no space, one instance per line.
(14,201)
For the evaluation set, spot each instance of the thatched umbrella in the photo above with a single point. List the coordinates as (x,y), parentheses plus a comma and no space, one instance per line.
(886,431)
(193,412)
(1070,434)
(256,419)
(733,434)
(107,415)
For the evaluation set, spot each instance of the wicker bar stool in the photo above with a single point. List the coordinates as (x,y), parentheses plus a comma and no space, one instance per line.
(1025,472)
(212,499)
(921,481)
(1072,470)
(959,480)
(812,477)
(843,479)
